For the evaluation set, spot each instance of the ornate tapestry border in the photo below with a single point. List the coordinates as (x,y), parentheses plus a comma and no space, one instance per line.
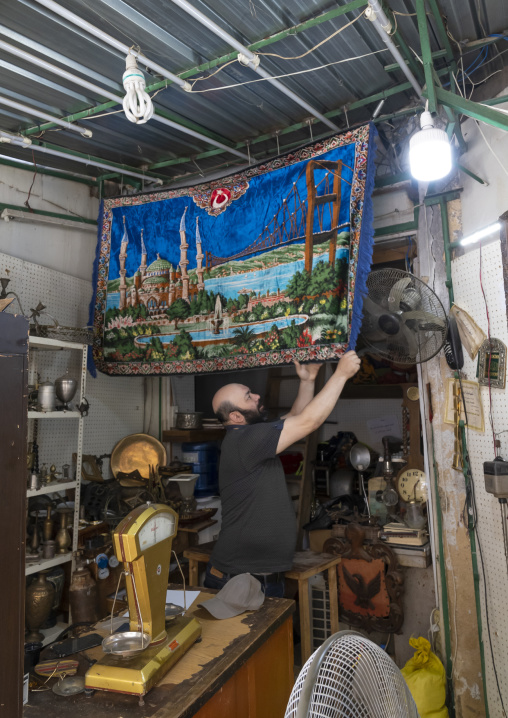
(360,137)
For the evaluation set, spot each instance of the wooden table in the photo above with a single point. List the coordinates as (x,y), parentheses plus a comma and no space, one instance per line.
(242,667)
(305,565)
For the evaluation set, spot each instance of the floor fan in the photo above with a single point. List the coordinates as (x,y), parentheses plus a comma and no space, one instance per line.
(350,676)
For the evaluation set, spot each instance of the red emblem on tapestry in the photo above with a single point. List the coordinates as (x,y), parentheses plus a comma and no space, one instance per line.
(215,197)
(219,198)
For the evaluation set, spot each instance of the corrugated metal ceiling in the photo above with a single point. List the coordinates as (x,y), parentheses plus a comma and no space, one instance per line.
(170,37)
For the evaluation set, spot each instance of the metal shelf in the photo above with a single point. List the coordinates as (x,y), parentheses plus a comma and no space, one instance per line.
(54,414)
(52,488)
(52,344)
(45,563)
(179,435)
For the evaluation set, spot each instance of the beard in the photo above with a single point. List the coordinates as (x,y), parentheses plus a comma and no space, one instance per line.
(254,416)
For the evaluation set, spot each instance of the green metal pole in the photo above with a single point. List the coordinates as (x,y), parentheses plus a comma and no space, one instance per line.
(428,66)
(446,239)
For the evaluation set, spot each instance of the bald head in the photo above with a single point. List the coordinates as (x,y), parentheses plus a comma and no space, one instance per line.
(237,404)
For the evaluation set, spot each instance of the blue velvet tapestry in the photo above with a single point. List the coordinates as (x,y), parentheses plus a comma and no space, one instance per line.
(254,269)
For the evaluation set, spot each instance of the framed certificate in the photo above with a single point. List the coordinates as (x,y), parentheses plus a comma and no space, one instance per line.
(473,401)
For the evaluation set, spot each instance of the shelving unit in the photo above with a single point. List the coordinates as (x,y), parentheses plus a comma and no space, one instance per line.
(37,345)
(45,563)
(185,435)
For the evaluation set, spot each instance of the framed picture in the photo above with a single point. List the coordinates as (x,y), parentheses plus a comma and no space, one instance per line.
(491,369)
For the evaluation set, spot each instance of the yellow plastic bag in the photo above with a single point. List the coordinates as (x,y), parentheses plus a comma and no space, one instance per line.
(426,678)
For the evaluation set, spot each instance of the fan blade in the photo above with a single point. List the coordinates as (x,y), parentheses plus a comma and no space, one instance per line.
(396,294)
(410,337)
(376,335)
(372,308)
(425,318)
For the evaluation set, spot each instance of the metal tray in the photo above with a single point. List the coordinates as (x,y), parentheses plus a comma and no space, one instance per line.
(137,451)
(126,644)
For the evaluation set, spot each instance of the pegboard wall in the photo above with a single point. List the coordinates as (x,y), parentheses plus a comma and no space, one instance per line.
(116,403)
(468,295)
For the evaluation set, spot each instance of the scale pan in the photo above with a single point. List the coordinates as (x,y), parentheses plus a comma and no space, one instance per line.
(126,644)
(69,686)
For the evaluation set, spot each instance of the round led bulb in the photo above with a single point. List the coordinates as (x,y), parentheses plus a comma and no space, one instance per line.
(430,152)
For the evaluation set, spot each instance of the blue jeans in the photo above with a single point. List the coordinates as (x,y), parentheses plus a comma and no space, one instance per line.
(269,588)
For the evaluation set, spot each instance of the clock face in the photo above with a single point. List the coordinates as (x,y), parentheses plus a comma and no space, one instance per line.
(157,528)
(412,484)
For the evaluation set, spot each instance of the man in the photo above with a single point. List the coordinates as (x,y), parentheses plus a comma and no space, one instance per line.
(258,533)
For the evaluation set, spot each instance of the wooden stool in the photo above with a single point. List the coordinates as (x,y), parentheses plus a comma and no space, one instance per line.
(305,565)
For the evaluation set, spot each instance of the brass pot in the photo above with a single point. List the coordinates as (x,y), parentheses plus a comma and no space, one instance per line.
(63,537)
(38,601)
(47,526)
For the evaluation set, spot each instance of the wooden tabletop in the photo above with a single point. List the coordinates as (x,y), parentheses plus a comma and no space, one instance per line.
(202,671)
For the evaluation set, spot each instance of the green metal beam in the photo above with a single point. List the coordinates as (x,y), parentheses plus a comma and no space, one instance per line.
(399,228)
(406,52)
(496,100)
(162,84)
(50,173)
(476,110)
(441,30)
(92,159)
(472,175)
(22,208)
(395,65)
(389,180)
(423,31)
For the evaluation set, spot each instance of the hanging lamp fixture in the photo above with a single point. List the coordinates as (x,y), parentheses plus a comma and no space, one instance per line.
(137,103)
(430,152)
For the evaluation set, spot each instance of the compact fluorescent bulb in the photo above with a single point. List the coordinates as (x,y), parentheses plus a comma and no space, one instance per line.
(481,234)
(430,153)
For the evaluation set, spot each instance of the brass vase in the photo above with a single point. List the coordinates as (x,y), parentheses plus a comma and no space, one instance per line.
(47,526)
(63,537)
(38,601)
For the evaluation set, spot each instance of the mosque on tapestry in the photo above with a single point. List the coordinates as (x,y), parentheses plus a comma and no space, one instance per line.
(159,284)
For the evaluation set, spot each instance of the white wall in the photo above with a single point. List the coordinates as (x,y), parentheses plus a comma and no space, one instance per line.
(482,205)
(64,249)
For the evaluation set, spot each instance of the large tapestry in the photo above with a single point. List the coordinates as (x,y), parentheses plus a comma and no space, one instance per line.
(255,269)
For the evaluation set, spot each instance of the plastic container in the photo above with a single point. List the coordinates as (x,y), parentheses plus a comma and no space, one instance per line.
(204,457)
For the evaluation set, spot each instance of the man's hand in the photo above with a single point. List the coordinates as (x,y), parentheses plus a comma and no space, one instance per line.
(348,365)
(307,372)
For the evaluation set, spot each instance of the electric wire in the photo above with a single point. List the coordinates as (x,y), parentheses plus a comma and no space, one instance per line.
(491,418)
(471,510)
(312,49)
(289,74)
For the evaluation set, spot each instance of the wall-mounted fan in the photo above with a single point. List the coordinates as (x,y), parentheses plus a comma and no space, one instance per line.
(403,319)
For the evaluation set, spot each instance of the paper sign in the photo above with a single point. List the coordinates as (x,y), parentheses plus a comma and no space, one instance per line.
(384,426)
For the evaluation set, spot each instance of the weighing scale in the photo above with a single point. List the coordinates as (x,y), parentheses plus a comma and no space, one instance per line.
(136,660)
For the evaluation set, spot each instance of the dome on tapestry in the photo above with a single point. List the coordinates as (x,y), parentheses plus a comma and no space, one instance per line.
(161,266)
(161,278)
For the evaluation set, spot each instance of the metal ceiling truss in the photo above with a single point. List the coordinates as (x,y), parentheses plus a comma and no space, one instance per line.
(406,61)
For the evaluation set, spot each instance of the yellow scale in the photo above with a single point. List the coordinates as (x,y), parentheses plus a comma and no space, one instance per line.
(135,661)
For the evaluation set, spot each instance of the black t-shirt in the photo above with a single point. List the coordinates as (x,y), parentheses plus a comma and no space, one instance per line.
(258,533)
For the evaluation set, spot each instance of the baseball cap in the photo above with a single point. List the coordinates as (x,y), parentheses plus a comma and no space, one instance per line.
(241,593)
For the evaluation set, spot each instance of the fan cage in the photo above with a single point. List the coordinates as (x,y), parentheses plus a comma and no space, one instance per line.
(380,284)
(354,678)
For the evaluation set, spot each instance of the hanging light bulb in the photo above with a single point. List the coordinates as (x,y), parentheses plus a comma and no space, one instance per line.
(137,103)
(430,152)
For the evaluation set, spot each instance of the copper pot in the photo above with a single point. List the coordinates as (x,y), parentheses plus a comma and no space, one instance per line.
(83,596)
(38,601)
